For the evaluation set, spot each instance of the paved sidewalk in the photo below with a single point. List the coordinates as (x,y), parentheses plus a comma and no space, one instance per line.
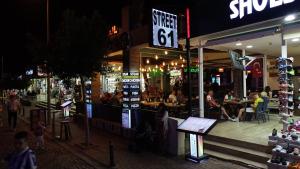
(53,157)
(99,153)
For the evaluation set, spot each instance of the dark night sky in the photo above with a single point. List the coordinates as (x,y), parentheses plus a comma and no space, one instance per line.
(28,16)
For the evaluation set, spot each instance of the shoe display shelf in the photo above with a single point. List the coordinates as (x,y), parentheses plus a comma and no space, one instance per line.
(277,166)
(282,156)
(286,92)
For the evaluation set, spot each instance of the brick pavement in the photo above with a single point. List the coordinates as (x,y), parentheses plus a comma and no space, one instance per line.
(128,160)
(53,157)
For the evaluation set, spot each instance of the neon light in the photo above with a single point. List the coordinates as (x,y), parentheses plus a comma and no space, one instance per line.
(188,22)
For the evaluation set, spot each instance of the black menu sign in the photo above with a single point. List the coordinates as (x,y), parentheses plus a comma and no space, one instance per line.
(131,96)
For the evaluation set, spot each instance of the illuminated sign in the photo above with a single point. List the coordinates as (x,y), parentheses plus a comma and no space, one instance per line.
(164,29)
(29,72)
(192,69)
(240,8)
(131,97)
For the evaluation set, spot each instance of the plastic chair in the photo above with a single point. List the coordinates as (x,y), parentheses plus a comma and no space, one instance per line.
(259,112)
(265,107)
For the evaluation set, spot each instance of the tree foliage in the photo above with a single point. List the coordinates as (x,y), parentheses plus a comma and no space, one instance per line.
(79,46)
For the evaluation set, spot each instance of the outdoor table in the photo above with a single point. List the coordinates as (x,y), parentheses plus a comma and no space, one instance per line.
(150,104)
(172,107)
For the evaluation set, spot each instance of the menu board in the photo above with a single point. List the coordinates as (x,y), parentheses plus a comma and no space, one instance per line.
(131,96)
(197,125)
(88,99)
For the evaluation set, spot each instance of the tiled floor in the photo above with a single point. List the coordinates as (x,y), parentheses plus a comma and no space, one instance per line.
(248,131)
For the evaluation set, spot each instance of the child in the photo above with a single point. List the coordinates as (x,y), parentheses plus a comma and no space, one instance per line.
(23,157)
(39,133)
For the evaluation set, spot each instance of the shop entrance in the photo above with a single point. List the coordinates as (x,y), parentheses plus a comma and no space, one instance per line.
(261,73)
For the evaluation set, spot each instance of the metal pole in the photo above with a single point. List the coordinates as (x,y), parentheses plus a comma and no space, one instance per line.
(47,67)
(188,53)
(2,67)
(265,70)
(111,155)
(244,76)
(201,84)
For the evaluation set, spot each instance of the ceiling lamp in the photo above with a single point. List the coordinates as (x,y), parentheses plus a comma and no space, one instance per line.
(238,44)
(166,52)
(249,46)
(147,61)
(289,18)
(296,40)
(156,57)
(164,64)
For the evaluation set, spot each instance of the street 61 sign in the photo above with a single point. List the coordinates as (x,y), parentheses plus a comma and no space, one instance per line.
(164,29)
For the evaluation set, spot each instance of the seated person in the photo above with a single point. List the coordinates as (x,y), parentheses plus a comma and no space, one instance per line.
(257,99)
(229,97)
(180,97)
(172,97)
(213,105)
(267,92)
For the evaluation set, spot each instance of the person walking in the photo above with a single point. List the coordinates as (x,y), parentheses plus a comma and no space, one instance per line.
(22,157)
(13,107)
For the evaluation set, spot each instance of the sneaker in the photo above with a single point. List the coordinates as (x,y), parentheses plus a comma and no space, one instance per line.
(296,151)
(274,132)
(291,72)
(289,59)
(289,99)
(283,85)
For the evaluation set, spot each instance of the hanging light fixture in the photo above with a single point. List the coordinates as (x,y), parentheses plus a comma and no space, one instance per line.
(164,64)
(147,61)
(156,57)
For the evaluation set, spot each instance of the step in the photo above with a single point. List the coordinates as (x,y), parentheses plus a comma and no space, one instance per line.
(239,143)
(249,154)
(245,162)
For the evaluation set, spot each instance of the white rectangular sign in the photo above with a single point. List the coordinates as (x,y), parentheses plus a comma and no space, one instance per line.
(164,29)
(193,145)
(197,125)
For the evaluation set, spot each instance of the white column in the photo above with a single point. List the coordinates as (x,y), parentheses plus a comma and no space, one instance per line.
(244,75)
(265,70)
(284,51)
(201,84)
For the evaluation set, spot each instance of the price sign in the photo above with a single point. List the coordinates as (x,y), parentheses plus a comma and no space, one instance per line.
(131,96)
(164,29)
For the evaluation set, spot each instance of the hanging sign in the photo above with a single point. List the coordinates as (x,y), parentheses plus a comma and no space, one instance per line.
(240,8)
(164,29)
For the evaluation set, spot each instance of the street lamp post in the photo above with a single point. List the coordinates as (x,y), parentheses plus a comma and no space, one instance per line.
(48,72)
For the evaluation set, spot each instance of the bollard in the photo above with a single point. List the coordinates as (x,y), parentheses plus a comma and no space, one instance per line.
(111,155)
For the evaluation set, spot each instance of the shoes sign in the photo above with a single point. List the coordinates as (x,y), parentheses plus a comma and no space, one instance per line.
(240,8)
(164,29)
